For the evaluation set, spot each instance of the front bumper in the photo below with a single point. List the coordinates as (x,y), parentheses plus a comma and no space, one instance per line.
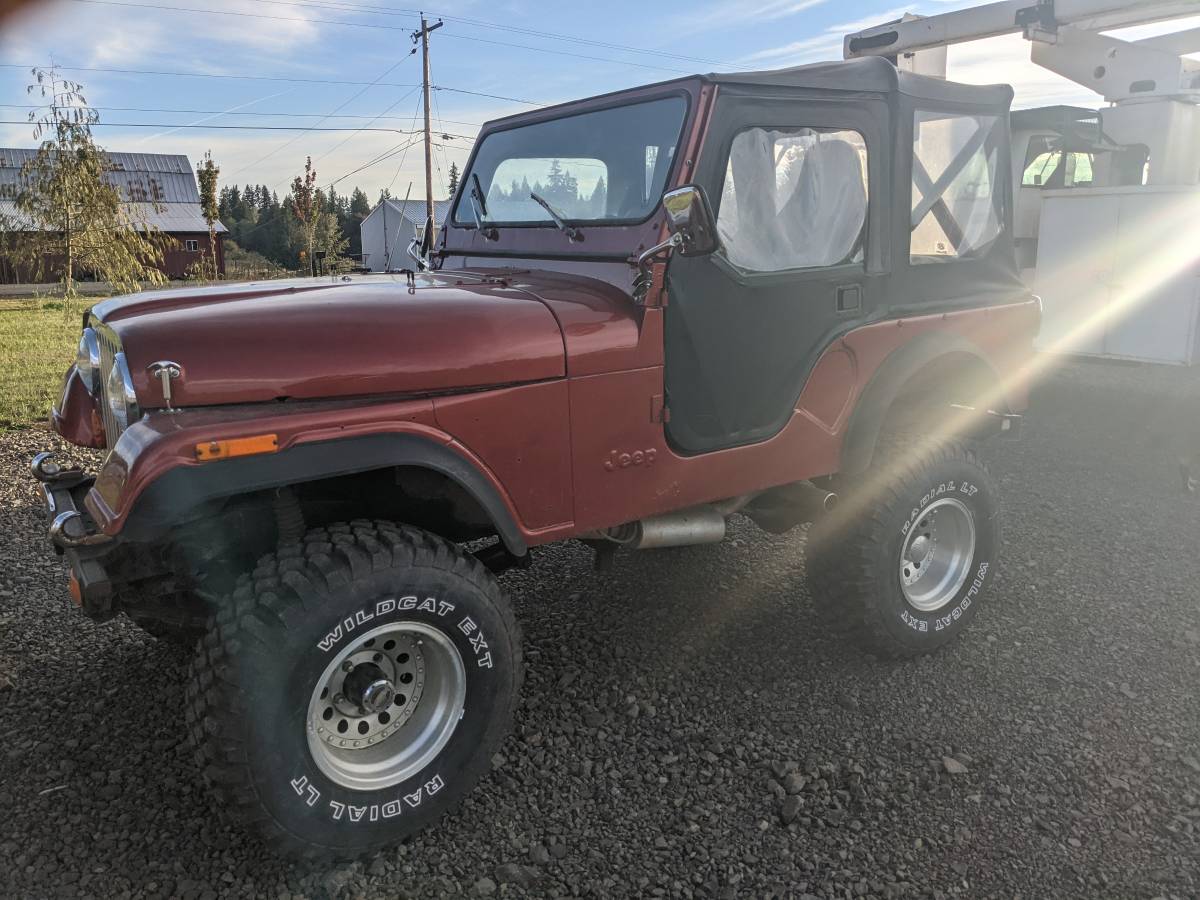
(74,535)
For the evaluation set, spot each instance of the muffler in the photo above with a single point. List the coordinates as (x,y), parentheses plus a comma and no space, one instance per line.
(698,525)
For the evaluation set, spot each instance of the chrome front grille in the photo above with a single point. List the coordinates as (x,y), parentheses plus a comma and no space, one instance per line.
(109,347)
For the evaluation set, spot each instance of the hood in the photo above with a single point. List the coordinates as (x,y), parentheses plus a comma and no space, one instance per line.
(319,339)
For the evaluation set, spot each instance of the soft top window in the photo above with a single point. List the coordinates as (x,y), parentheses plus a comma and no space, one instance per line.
(794,198)
(955,199)
(604,166)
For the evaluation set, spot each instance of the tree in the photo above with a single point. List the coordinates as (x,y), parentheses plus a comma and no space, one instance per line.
(360,206)
(452,178)
(561,186)
(206,176)
(68,214)
(330,239)
(306,207)
(597,204)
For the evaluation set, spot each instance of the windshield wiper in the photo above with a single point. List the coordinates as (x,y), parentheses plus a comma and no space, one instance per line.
(574,235)
(479,208)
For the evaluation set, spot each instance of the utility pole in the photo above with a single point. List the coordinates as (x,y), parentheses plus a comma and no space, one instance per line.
(423,36)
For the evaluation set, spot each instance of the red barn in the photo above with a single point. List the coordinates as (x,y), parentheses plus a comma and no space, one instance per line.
(161,188)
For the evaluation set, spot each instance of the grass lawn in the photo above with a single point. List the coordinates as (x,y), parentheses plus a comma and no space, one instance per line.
(37,344)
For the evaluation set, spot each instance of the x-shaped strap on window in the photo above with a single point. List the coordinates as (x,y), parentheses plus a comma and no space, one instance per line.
(932,191)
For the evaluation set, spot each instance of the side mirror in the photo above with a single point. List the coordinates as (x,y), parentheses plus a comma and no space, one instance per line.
(693,232)
(690,218)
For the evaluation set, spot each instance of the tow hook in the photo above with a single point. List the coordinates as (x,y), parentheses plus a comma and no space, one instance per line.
(69,530)
(47,471)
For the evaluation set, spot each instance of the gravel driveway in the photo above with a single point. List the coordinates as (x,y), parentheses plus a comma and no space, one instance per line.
(688,728)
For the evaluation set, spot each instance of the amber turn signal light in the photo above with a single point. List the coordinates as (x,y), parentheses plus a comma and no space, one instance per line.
(247,446)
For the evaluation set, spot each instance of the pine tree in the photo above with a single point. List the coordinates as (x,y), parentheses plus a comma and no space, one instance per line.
(598,202)
(452,178)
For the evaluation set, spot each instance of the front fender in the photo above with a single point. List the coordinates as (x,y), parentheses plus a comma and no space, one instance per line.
(152,478)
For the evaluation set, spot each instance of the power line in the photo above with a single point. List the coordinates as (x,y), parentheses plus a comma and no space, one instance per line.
(392,151)
(400,165)
(220,112)
(440,87)
(300,128)
(515,29)
(384,156)
(375,27)
(386,72)
(241,77)
(244,77)
(367,126)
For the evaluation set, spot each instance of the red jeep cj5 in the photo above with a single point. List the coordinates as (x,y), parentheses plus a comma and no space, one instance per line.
(764,293)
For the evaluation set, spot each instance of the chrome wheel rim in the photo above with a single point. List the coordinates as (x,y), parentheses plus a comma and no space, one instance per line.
(386,705)
(935,558)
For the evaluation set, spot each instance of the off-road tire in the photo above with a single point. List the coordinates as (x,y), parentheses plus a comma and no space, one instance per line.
(179,616)
(854,553)
(255,670)
(182,636)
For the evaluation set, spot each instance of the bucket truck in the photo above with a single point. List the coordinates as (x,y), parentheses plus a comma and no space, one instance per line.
(1107,217)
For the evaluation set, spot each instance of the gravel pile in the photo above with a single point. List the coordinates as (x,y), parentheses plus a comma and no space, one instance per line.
(688,728)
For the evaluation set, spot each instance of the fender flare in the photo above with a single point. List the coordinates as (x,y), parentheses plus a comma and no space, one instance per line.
(887,383)
(186,487)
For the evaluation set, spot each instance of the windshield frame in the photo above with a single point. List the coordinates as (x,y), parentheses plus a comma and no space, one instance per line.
(565,111)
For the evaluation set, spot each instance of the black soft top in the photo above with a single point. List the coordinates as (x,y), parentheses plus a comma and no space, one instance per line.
(871,74)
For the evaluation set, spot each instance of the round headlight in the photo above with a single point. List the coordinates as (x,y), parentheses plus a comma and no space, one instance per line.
(87,361)
(119,395)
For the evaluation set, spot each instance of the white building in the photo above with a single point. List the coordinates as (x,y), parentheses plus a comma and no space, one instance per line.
(390,228)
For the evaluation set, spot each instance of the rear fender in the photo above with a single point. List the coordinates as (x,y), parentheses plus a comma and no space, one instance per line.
(889,383)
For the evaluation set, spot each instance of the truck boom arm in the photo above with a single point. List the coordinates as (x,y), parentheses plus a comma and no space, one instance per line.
(1010,17)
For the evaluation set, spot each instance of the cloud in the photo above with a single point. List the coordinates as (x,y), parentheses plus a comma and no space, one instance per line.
(118,44)
(100,34)
(1005,60)
(825,45)
(733,13)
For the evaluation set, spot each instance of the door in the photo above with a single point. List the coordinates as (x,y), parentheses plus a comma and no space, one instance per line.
(1153,282)
(794,186)
(1077,250)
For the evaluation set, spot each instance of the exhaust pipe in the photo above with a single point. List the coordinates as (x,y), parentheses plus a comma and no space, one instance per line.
(698,525)
(793,504)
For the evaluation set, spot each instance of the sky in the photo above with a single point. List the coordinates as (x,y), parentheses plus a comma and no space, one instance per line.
(320,65)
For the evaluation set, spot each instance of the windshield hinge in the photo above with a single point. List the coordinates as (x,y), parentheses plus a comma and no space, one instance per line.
(650,286)
(659,412)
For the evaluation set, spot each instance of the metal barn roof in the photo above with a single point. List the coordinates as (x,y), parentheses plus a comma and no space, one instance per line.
(160,188)
(413,211)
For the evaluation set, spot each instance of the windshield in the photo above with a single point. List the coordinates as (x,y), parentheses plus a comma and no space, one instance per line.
(605,166)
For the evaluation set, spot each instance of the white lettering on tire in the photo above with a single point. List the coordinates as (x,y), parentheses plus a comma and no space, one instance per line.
(483,656)
(373,812)
(964,488)
(300,785)
(430,604)
(940,623)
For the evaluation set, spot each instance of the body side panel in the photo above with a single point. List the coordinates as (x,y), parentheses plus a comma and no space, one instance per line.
(613,428)
(521,435)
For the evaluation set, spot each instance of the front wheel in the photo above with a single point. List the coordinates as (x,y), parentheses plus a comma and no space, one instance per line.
(905,562)
(354,688)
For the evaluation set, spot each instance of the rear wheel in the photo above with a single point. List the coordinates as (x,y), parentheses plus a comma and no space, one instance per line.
(903,563)
(354,688)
